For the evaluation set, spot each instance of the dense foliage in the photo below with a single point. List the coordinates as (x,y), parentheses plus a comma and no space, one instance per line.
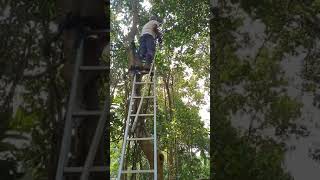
(29,94)
(253,111)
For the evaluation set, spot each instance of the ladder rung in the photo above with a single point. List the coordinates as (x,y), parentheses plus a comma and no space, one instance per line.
(137,171)
(139,97)
(142,115)
(140,139)
(143,83)
(93,68)
(146,72)
(80,169)
(87,113)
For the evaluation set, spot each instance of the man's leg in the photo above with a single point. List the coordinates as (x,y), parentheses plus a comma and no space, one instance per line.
(151,49)
(142,48)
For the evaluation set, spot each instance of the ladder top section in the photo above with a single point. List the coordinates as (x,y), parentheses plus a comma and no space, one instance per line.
(138,171)
(142,115)
(140,139)
(149,82)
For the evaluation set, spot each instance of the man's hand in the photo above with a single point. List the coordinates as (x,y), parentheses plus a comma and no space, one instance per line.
(159,37)
(160,40)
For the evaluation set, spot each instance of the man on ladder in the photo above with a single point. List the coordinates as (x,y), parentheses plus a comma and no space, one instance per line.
(150,33)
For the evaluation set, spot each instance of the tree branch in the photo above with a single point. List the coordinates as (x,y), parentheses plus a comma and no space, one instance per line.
(135,21)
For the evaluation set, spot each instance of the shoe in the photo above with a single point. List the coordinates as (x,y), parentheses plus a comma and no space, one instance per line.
(138,64)
(147,67)
(136,67)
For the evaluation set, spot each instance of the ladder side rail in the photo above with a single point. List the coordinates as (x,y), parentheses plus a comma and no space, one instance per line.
(96,139)
(126,130)
(152,67)
(137,113)
(155,159)
(65,145)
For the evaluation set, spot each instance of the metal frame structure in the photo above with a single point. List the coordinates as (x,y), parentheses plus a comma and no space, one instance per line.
(71,115)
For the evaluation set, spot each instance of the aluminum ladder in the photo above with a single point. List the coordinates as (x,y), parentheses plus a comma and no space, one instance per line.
(137,114)
(71,117)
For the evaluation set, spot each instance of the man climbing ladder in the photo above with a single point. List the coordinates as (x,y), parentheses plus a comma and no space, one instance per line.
(133,131)
(150,33)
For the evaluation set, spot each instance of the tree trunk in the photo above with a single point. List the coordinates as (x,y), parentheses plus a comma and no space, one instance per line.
(171,166)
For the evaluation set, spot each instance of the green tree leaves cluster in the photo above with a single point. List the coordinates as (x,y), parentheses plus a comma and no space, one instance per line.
(252,89)
(30,96)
